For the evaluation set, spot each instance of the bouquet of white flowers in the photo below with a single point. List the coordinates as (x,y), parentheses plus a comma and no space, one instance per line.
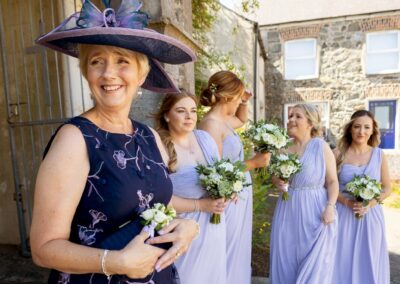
(267,137)
(222,179)
(284,166)
(157,217)
(364,189)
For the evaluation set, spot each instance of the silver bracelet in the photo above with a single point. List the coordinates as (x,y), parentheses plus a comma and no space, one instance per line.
(331,204)
(103,264)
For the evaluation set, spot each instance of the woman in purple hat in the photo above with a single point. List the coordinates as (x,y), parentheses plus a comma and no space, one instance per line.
(228,99)
(101,169)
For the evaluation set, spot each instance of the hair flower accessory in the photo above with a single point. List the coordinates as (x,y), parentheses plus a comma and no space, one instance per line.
(213,88)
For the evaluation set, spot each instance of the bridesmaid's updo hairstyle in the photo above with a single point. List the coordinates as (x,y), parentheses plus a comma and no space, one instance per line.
(313,116)
(346,139)
(222,86)
(162,126)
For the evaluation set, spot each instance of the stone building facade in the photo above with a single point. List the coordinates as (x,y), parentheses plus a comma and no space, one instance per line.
(341,64)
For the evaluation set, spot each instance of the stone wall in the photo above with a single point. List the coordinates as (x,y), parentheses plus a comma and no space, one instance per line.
(173,18)
(235,35)
(342,81)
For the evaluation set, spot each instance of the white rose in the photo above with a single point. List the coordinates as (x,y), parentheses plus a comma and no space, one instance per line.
(376,190)
(159,206)
(227,166)
(240,175)
(148,214)
(160,217)
(215,177)
(270,127)
(283,157)
(367,194)
(237,186)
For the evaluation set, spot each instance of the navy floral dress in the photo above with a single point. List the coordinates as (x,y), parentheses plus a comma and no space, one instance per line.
(127,176)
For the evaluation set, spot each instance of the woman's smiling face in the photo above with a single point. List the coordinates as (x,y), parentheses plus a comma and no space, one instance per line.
(113,76)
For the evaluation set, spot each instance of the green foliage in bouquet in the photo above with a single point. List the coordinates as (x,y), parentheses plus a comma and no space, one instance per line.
(222,179)
(158,216)
(284,166)
(364,189)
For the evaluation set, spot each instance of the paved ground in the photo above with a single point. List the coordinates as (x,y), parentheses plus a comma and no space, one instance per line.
(15,269)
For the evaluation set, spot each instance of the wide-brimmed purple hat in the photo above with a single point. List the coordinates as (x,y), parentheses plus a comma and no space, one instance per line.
(125,28)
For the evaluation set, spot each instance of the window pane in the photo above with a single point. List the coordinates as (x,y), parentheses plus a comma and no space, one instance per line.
(301,48)
(384,62)
(382,115)
(300,68)
(383,41)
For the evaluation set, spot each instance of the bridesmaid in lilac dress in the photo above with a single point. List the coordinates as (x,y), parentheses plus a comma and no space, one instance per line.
(304,228)
(205,260)
(228,99)
(362,255)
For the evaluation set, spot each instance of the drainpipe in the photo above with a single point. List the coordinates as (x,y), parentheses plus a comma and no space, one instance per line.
(255,73)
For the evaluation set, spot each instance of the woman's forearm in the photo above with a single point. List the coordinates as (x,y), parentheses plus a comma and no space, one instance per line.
(69,257)
(333,191)
(182,205)
(242,112)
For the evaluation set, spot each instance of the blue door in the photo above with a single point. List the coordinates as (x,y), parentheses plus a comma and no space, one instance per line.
(385,114)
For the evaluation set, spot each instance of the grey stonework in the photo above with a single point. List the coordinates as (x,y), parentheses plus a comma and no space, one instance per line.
(341,46)
(173,18)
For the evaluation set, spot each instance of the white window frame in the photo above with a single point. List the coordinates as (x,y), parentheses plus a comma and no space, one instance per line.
(367,52)
(397,119)
(315,56)
(328,110)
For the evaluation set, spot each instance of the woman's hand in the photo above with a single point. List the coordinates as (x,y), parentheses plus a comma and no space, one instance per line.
(136,259)
(210,205)
(328,216)
(279,184)
(181,233)
(259,160)
(246,96)
(359,208)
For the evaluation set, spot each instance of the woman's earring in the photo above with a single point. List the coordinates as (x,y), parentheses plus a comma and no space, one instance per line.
(140,93)
(166,119)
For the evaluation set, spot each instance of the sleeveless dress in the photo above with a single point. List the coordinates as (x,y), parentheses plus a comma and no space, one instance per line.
(239,218)
(205,261)
(362,255)
(127,175)
(302,248)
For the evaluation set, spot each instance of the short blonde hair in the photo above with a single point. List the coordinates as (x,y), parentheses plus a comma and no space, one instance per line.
(313,116)
(141,59)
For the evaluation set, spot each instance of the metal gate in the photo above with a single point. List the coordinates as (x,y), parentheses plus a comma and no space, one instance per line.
(42,89)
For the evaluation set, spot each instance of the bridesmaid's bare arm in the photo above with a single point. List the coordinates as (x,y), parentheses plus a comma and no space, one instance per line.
(331,183)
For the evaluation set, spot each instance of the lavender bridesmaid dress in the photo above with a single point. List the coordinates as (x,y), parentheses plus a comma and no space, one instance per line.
(239,218)
(302,247)
(362,255)
(205,261)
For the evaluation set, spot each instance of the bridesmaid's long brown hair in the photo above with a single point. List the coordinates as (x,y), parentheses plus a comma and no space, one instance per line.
(346,139)
(162,126)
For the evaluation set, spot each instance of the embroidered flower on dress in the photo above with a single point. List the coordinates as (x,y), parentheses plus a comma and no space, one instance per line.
(119,157)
